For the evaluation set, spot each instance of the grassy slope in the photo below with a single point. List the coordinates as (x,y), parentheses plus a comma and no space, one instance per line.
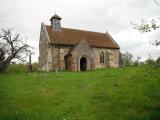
(105,94)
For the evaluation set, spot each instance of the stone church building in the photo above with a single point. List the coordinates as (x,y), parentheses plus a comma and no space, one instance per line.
(75,50)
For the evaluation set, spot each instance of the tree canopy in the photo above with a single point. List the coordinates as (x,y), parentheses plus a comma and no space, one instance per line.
(148,26)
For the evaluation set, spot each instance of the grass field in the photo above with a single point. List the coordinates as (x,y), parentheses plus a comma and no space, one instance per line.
(131,93)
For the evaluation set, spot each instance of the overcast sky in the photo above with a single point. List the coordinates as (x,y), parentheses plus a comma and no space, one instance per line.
(114,16)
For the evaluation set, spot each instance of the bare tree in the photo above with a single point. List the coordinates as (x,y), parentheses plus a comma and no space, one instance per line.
(128,58)
(137,61)
(12,47)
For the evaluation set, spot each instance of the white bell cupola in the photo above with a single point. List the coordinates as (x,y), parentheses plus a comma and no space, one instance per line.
(56,23)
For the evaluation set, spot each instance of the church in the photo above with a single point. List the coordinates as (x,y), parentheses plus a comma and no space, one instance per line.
(75,50)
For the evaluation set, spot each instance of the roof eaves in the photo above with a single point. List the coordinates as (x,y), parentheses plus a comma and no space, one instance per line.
(104,47)
(45,32)
(112,40)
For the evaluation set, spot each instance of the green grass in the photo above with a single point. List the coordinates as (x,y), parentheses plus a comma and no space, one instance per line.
(131,93)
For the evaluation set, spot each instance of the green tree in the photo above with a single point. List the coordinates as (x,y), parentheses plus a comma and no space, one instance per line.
(148,26)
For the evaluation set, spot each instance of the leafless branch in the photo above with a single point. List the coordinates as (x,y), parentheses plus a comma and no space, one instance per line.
(12,47)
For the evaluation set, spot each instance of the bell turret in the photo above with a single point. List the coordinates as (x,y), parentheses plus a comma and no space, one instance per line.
(56,23)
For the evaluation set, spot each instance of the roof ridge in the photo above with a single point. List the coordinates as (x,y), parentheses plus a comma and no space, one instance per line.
(84,30)
(80,30)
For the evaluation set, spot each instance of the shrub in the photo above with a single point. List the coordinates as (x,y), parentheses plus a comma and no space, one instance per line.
(21,68)
(153,63)
(158,62)
(16,68)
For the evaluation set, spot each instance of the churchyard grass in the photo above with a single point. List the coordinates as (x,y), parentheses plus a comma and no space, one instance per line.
(131,93)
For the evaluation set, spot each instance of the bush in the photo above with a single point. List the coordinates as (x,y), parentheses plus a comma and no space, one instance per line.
(16,68)
(153,63)
(158,62)
(21,68)
(150,62)
(35,67)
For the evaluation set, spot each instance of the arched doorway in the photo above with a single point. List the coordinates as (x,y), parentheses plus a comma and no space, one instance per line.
(83,64)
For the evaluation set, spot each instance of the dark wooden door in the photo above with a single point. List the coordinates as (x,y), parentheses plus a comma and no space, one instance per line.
(83,64)
(68,62)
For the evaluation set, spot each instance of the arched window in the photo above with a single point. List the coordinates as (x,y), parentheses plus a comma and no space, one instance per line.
(102,57)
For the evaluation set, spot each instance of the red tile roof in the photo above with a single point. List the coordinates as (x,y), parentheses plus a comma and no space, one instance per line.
(69,36)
